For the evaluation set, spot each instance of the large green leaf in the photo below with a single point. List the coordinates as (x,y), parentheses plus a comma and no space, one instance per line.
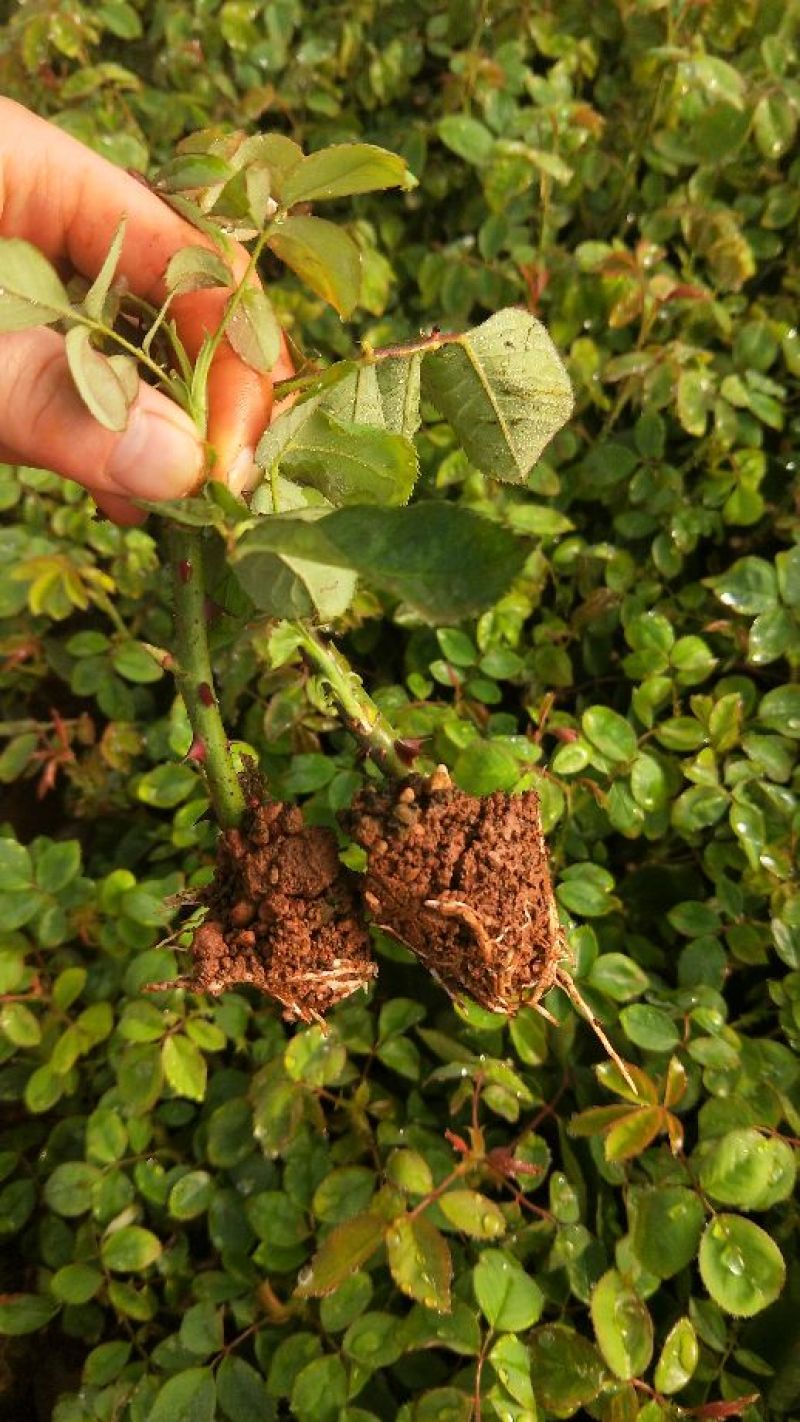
(344,169)
(350,463)
(324,257)
(446,561)
(504,390)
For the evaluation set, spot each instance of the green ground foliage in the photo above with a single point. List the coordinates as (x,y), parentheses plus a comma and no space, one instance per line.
(433,1214)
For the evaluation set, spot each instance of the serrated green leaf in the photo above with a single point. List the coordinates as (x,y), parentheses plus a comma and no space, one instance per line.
(420,1261)
(342,170)
(446,561)
(324,257)
(341,1253)
(504,390)
(254,332)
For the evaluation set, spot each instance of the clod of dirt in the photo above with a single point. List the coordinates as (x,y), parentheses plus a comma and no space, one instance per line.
(282,916)
(464,883)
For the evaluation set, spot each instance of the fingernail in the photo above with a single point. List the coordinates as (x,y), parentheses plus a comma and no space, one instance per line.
(157,456)
(243,472)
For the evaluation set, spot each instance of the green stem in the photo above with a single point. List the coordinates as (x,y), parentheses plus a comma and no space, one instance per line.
(359,712)
(194,675)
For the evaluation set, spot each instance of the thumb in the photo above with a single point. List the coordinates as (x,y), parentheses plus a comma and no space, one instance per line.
(44,422)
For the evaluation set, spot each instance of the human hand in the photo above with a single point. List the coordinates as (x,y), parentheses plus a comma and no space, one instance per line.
(68,201)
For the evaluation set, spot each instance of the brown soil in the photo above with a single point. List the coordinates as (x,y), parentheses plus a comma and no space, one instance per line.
(464,883)
(282,916)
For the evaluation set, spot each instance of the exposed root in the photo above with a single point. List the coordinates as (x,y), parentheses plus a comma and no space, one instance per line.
(567,985)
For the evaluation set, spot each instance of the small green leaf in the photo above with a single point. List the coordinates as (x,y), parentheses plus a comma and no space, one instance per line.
(25,1313)
(679,1357)
(254,332)
(320,1391)
(241,1395)
(409,1171)
(184,1067)
(69,1187)
(189,1396)
(399,383)
(373,1340)
(16,870)
(508,1297)
(512,1363)
(610,732)
(633,1133)
(622,1325)
(133,662)
(742,1268)
(191,1195)
(341,1253)
(503,389)
(324,257)
(192,268)
(473,1214)
(130,1250)
(342,170)
(466,137)
(76,1283)
(96,381)
(651,1028)
(746,1169)
(420,1261)
(95,298)
(31,292)
(566,1369)
(190,171)
(667,1225)
(484,767)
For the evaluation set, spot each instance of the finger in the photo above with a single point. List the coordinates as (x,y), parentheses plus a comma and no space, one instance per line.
(69,201)
(119,510)
(44,422)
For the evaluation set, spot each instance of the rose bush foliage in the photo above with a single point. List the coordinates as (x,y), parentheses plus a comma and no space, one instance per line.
(433,1213)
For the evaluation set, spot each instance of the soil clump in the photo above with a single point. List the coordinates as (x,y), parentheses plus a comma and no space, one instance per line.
(282,915)
(464,883)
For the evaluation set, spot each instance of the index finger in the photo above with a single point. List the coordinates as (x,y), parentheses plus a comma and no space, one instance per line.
(68,201)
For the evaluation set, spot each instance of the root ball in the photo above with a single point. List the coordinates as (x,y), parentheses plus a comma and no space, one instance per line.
(464,883)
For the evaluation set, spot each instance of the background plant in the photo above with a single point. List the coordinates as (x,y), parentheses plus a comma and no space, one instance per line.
(629,173)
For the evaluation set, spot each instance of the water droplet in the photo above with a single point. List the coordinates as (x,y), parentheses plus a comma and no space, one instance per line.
(305,1276)
(733,1259)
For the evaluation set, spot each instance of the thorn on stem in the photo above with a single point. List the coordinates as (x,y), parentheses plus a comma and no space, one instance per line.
(197,751)
(205,694)
(185,570)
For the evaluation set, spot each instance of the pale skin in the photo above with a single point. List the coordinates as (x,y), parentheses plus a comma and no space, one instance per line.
(68,201)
